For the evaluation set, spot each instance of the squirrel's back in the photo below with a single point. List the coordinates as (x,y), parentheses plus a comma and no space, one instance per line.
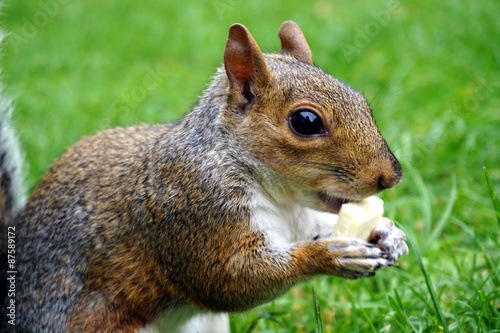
(117,199)
(68,226)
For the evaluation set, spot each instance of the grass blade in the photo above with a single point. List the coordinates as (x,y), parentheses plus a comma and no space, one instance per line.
(438,228)
(265,316)
(428,282)
(317,313)
(400,316)
(356,305)
(493,194)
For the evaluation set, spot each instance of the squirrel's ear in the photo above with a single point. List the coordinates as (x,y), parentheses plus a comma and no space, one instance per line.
(294,43)
(243,60)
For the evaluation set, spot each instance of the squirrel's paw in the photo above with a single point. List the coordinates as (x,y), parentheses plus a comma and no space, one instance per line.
(356,258)
(390,239)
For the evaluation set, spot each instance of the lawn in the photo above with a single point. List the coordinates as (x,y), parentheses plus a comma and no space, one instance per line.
(431,71)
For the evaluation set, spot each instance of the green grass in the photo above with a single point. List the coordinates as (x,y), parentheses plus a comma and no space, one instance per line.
(430,69)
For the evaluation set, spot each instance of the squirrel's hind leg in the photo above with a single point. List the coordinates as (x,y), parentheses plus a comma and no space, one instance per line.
(206,323)
(199,323)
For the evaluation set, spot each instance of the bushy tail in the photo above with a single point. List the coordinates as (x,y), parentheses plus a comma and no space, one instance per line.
(11,188)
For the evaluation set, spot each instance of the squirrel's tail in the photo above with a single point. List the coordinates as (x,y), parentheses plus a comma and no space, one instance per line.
(12,195)
(11,188)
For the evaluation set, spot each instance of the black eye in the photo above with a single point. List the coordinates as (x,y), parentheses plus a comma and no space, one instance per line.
(306,122)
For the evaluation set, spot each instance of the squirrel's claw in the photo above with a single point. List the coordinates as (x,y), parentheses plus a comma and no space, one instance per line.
(389,239)
(359,259)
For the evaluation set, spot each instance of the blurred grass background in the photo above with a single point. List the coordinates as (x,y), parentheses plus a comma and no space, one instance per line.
(430,69)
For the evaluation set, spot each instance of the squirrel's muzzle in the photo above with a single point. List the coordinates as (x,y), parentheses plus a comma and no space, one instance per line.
(390,175)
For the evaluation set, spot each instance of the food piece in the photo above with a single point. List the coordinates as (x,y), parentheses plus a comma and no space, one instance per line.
(358,219)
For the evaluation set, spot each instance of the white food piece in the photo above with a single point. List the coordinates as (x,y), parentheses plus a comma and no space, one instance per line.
(358,219)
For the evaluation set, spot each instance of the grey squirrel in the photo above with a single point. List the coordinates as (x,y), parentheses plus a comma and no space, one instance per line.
(221,212)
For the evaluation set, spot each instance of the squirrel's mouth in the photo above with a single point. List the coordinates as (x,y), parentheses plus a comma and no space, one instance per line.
(333,203)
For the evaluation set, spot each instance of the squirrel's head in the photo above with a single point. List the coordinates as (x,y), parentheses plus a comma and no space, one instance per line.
(309,128)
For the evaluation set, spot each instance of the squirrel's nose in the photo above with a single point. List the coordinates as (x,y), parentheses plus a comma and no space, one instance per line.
(391,177)
(385,183)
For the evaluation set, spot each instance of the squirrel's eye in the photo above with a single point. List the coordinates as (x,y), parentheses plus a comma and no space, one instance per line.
(306,122)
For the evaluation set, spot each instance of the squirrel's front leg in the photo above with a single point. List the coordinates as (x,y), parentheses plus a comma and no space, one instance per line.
(259,271)
(343,257)
(389,238)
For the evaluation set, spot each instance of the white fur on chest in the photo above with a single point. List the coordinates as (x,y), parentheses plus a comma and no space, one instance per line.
(285,223)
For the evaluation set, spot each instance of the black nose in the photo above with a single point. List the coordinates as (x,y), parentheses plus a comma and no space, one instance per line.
(390,177)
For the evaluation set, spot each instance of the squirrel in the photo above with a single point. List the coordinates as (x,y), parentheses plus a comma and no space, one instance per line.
(220,212)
